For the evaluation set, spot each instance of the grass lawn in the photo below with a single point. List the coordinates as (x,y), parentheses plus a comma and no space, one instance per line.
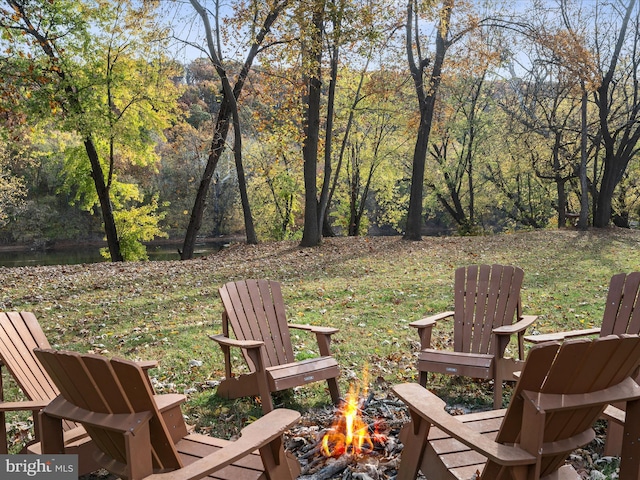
(369,288)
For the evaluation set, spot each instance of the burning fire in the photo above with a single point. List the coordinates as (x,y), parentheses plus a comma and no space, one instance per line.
(349,433)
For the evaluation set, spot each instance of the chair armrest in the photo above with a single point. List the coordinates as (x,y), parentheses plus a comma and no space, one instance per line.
(430,320)
(256,435)
(251,348)
(614,414)
(323,336)
(314,328)
(431,408)
(425,326)
(520,326)
(232,342)
(166,401)
(30,405)
(77,435)
(147,364)
(117,422)
(551,337)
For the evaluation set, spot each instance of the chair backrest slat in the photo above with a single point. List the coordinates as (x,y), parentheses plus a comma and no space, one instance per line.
(510,293)
(255,310)
(622,308)
(265,318)
(273,301)
(139,397)
(485,302)
(20,333)
(462,304)
(241,307)
(486,297)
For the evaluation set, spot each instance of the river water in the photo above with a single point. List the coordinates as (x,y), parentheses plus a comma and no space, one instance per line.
(91,254)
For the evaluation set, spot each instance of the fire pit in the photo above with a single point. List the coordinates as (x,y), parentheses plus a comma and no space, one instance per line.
(350,434)
(385,412)
(361,441)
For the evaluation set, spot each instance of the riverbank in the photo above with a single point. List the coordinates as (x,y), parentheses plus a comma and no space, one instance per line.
(66,253)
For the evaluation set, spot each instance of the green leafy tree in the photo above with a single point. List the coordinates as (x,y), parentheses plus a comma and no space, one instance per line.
(98,69)
(456,142)
(513,187)
(35,156)
(352,32)
(373,143)
(136,225)
(274,154)
(12,188)
(546,115)
(276,191)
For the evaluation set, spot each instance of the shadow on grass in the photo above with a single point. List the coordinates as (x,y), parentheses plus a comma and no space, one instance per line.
(219,417)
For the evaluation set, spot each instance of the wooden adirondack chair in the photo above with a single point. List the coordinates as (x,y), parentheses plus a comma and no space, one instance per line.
(621,312)
(486,304)
(621,315)
(563,389)
(113,401)
(20,333)
(255,309)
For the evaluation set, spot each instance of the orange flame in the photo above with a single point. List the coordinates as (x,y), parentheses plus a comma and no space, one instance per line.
(349,433)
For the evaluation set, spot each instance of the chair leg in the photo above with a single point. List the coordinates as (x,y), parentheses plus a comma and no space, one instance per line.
(630,454)
(613,442)
(267,402)
(274,460)
(423,378)
(497,393)
(261,379)
(51,435)
(414,436)
(334,390)
(3,433)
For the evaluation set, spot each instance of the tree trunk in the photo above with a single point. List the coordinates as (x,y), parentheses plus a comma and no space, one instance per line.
(221,131)
(327,228)
(249,228)
(561,192)
(584,187)
(602,215)
(312,233)
(354,187)
(414,215)
(620,216)
(325,193)
(562,202)
(426,91)
(363,201)
(110,230)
